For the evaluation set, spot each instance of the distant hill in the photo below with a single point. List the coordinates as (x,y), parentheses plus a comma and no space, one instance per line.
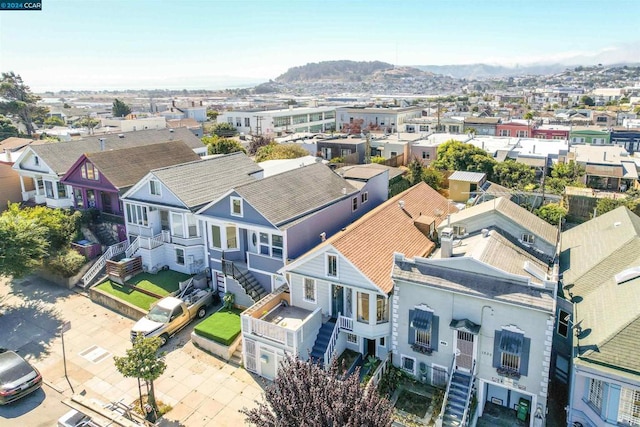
(483,71)
(333,70)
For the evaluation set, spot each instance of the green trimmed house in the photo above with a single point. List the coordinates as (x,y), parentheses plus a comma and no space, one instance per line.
(589,135)
(600,265)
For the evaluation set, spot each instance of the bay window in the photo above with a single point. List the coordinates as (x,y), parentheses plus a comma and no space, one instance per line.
(363,307)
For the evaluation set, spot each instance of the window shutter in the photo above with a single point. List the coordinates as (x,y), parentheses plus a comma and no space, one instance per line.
(497,353)
(412,331)
(524,357)
(435,325)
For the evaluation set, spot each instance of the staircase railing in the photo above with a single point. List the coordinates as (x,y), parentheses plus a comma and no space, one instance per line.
(446,393)
(100,263)
(331,347)
(230,270)
(467,404)
(345,323)
(133,247)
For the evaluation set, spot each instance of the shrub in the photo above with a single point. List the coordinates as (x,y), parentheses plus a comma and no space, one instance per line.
(66,263)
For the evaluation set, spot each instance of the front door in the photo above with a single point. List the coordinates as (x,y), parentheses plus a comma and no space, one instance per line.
(106,202)
(464,350)
(337,305)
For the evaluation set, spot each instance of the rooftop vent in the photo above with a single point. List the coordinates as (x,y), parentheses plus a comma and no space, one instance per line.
(617,224)
(170,130)
(121,135)
(628,274)
(323,236)
(401,204)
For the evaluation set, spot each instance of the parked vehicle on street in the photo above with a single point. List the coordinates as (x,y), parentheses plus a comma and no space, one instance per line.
(17,377)
(169,315)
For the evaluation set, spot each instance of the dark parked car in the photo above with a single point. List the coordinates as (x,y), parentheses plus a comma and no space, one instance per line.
(17,377)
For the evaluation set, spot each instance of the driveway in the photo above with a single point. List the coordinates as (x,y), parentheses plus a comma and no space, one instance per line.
(203,390)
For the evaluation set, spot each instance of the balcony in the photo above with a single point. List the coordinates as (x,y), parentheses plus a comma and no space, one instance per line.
(186,241)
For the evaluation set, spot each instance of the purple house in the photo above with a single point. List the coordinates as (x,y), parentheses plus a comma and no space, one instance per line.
(99,179)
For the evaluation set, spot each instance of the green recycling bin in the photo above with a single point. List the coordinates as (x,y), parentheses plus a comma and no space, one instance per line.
(523,409)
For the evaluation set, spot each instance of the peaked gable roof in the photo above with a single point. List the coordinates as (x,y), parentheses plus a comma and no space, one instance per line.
(200,182)
(370,242)
(292,195)
(62,155)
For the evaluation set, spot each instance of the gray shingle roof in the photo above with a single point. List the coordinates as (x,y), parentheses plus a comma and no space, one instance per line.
(607,312)
(203,181)
(294,194)
(62,155)
(467,176)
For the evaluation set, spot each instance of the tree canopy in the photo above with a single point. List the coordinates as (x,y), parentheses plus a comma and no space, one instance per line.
(120,109)
(224,129)
(218,145)
(564,175)
(552,213)
(87,122)
(54,121)
(275,151)
(458,156)
(304,394)
(587,100)
(7,129)
(19,101)
(512,174)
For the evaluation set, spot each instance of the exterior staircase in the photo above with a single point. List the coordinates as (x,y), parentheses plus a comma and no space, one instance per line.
(322,341)
(104,233)
(458,399)
(236,357)
(249,283)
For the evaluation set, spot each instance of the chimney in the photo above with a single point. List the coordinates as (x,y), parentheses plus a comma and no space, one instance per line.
(323,236)
(446,243)
(102,145)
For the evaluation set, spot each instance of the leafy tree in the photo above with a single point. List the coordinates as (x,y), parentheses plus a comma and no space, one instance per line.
(275,151)
(415,171)
(433,177)
(218,145)
(587,100)
(54,121)
(7,129)
(144,362)
(304,394)
(88,122)
(563,175)
(223,129)
(605,205)
(512,174)
(17,99)
(212,114)
(378,159)
(552,213)
(23,243)
(457,156)
(120,109)
(258,142)
(528,115)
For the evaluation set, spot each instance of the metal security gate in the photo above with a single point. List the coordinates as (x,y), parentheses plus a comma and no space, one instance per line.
(464,350)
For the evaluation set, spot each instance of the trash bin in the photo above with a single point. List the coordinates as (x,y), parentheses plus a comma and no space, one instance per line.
(523,409)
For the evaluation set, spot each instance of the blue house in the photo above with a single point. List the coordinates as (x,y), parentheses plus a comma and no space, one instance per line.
(628,138)
(599,263)
(253,229)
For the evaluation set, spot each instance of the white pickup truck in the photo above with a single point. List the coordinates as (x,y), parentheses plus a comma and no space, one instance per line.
(169,315)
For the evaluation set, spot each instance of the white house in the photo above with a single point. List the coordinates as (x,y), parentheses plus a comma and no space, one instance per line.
(279,122)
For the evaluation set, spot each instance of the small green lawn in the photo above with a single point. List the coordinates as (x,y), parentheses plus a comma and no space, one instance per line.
(222,326)
(163,283)
(129,295)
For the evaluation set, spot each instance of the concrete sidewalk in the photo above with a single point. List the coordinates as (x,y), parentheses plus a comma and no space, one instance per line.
(203,390)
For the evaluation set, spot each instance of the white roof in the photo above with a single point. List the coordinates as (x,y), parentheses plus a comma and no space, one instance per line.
(274,167)
(541,147)
(492,144)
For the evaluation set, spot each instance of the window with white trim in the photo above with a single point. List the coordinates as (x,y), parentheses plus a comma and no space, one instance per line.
(382,309)
(276,246)
(179,256)
(332,265)
(352,338)
(459,230)
(88,171)
(382,342)
(154,187)
(354,204)
(596,388)
(364,197)
(177,225)
(216,240)
(629,407)
(309,290)
(137,214)
(232,238)
(362,300)
(408,364)
(528,238)
(236,206)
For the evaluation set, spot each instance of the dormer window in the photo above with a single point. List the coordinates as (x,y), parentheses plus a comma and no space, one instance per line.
(528,238)
(88,171)
(236,206)
(332,265)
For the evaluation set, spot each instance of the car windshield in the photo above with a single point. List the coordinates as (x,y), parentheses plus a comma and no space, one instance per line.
(12,368)
(159,314)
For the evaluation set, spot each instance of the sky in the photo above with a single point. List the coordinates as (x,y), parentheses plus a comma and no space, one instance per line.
(113,44)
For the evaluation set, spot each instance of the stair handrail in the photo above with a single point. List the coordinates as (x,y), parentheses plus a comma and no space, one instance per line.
(230,267)
(331,347)
(97,266)
(133,247)
(446,393)
(467,405)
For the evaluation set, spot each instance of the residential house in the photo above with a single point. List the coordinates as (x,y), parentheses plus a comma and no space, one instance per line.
(589,135)
(352,149)
(133,123)
(192,110)
(45,164)
(354,120)
(253,229)
(629,138)
(339,291)
(97,180)
(599,264)
(477,317)
(463,185)
(10,150)
(607,167)
(281,121)
(425,150)
(604,118)
(481,125)
(428,125)
(517,128)
(160,210)
(192,124)
(551,132)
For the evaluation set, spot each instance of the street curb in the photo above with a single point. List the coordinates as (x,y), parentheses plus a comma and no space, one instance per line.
(50,385)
